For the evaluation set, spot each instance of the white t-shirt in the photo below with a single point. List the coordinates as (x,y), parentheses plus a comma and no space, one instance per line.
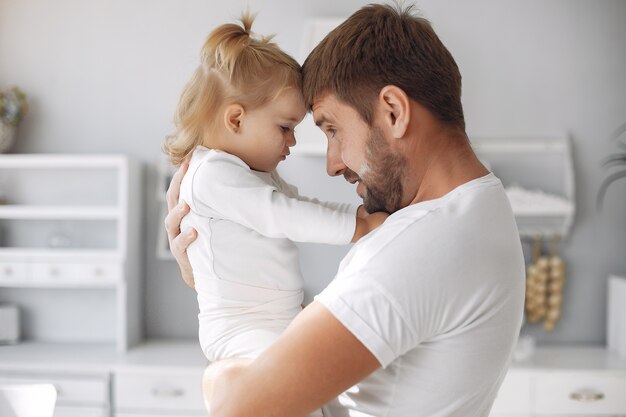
(436,294)
(244,261)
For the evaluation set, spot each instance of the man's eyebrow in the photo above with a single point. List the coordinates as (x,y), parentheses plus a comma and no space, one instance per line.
(321,120)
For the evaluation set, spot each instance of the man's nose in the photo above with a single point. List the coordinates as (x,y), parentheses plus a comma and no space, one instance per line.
(334,163)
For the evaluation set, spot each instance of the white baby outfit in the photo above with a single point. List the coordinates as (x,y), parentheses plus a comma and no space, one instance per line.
(244,261)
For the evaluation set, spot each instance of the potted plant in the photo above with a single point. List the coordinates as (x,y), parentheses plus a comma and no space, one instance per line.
(13,107)
(616,160)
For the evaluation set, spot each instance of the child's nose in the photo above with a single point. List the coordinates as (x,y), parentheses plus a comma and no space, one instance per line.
(291,139)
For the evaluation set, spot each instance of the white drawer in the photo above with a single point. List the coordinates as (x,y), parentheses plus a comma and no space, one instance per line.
(87,273)
(98,272)
(203,414)
(81,412)
(180,392)
(585,393)
(14,272)
(514,396)
(51,272)
(70,390)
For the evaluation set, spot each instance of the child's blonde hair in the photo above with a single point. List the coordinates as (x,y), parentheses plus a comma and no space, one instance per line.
(236,67)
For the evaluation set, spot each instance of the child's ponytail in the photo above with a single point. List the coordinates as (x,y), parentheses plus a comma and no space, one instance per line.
(236,67)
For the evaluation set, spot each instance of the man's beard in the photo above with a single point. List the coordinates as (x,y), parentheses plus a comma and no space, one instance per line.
(382,179)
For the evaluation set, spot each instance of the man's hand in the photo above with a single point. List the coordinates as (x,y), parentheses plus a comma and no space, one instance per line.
(175,212)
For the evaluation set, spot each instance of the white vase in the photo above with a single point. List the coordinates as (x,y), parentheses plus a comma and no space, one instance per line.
(7,136)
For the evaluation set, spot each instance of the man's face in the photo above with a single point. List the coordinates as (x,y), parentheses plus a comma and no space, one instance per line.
(361,154)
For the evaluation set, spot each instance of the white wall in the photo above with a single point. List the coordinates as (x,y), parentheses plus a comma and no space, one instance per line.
(104,76)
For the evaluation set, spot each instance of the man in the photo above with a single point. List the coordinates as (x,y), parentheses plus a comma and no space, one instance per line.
(423,313)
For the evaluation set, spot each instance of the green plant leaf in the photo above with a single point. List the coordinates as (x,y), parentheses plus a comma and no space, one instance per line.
(605,185)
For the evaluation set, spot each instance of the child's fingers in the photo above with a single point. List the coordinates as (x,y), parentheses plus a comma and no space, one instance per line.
(174,217)
(173,191)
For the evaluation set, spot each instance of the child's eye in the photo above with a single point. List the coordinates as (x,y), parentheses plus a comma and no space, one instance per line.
(285,129)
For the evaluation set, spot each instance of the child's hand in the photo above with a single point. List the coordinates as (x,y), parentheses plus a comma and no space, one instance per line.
(366,224)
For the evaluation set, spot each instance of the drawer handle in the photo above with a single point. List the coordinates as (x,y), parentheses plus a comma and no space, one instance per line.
(586,396)
(168,392)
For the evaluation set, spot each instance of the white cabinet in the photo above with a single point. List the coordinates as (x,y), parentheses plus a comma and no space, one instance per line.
(564,382)
(144,392)
(69,246)
(580,393)
(514,396)
(77,395)
(164,176)
(163,379)
(153,379)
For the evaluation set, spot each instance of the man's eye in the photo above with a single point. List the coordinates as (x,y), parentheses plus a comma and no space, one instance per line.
(331,133)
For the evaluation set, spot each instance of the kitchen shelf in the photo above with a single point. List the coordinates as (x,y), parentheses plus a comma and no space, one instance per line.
(104,255)
(541,171)
(58,212)
(69,246)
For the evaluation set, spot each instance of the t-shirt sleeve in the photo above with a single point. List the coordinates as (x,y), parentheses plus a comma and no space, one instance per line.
(372,315)
(231,189)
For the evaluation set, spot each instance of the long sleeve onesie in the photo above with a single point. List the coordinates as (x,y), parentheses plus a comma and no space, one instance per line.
(245,262)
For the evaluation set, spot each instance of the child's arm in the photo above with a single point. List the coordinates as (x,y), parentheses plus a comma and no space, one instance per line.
(366,224)
(226,188)
(292,191)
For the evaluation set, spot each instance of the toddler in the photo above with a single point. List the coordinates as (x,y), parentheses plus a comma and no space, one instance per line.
(236,118)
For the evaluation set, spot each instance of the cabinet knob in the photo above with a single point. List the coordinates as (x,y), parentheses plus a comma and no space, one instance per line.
(168,392)
(586,396)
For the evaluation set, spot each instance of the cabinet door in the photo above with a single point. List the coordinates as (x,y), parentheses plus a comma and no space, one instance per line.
(158,415)
(80,412)
(580,393)
(88,391)
(164,392)
(513,398)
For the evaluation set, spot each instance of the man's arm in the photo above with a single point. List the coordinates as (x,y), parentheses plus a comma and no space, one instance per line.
(175,213)
(313,361)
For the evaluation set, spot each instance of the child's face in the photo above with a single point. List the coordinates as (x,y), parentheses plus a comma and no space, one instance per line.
(267,133)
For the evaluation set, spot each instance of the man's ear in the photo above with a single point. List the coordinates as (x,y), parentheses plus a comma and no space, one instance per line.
(233,117)
(396,110)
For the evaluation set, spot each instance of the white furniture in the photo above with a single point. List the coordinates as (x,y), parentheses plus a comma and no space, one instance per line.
(541,166)
(564,381)
(160,379)
(164,176)
(155,379)
(27,400)
(69,246)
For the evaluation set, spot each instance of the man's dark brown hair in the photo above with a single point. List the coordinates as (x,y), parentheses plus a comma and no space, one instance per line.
(383,45)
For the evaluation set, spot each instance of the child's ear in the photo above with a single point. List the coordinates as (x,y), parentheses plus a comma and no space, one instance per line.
(233,117)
